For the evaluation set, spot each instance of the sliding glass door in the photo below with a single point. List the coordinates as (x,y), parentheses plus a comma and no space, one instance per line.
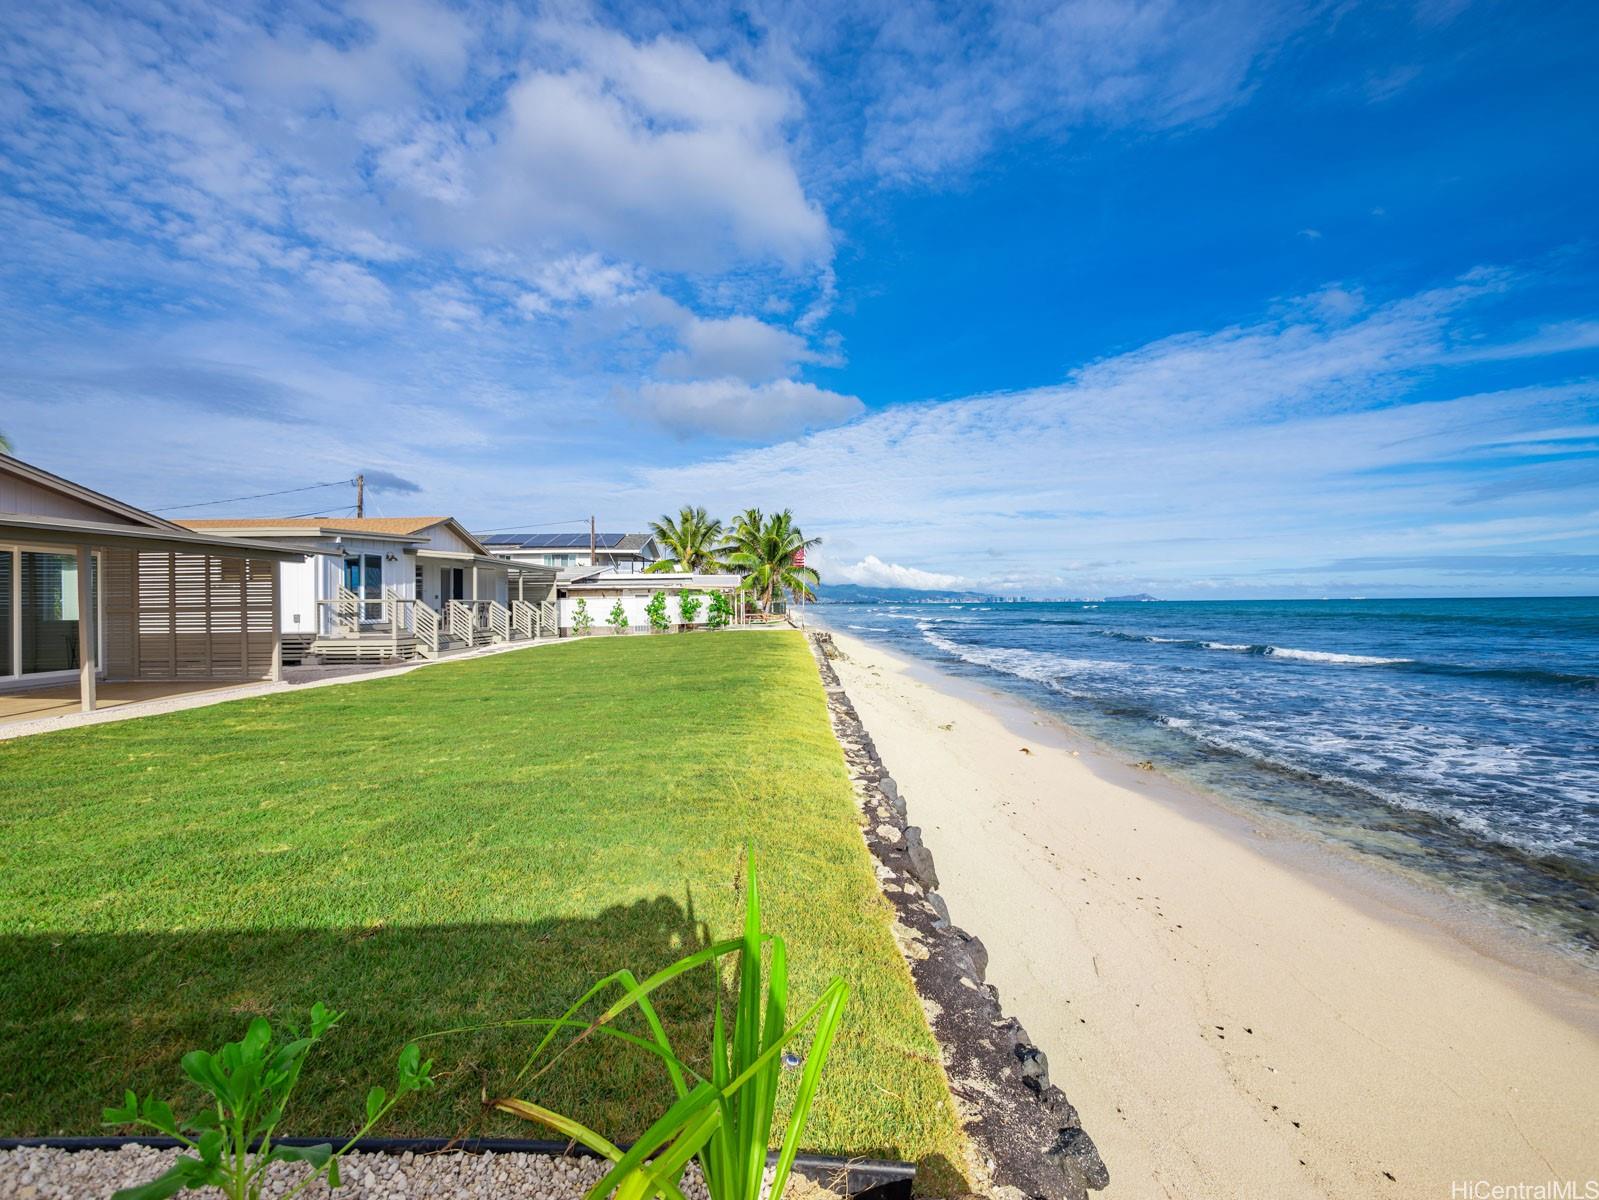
(39,611)
(8,658)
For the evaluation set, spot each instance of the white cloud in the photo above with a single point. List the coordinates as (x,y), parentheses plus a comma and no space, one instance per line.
(874,572)
(742,347)
(1198,456)
(731,408)
(943,82)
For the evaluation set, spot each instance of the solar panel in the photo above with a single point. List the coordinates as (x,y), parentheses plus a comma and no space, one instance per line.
(554,541)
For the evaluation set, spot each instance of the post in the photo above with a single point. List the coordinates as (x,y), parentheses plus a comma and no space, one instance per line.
(593,559)
(86,630)
(360,495)
(275,670)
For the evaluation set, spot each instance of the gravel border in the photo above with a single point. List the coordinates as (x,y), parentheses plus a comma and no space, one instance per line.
(42,1173)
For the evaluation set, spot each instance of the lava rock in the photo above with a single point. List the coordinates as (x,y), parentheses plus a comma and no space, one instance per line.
(1035,1067)
(920,865)
(1075,1147)
(979,955)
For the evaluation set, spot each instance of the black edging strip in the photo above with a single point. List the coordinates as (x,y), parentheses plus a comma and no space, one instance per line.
(866,1178)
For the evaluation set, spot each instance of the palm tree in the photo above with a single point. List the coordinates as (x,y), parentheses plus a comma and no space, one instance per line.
(693,542)
(5,443)
(765,551)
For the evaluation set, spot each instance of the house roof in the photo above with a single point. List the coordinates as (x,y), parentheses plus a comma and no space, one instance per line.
(46,479)
(381,526)
(553,541)
(397,525)
(131,527)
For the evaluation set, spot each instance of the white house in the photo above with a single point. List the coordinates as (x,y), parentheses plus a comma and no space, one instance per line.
(566,551)
(396,587)
(599,590)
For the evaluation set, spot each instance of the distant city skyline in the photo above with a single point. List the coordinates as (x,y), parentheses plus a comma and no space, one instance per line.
(1219,300)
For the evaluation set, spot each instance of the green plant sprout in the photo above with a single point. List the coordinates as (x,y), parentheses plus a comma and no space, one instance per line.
(249,1083)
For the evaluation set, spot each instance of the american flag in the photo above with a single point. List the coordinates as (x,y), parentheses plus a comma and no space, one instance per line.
(799,557)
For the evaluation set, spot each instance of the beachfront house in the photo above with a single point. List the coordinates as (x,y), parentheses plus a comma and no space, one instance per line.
(93,591)
(600,589)
(623,552)
(374,589)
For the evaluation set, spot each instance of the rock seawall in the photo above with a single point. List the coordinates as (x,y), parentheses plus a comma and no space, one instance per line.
(1028,1134)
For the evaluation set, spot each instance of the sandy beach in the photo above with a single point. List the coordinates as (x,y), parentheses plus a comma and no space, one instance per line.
(1231,1019)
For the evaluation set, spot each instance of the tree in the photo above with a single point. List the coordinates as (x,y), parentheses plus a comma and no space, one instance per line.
(655,610)
(5,443)
(692,543)
(720,613)
(766,554)
(582,620)
(688,607)
(617,619)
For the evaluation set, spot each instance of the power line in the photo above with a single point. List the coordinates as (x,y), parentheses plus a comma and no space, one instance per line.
(546,525)
(258,496)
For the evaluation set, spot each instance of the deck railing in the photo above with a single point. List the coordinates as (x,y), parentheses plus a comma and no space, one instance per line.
(344,611)
(549,619)
(524,619)
(499,619)
(425,624)
(458,620)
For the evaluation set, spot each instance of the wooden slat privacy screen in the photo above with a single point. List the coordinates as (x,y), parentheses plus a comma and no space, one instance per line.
(188,616)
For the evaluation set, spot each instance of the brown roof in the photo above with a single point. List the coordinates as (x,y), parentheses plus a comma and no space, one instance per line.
(395,525)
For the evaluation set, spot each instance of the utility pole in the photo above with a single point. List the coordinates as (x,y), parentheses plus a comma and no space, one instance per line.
(593,559)
(360,495)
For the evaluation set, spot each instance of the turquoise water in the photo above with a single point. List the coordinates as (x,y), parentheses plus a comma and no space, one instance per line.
(1458,738)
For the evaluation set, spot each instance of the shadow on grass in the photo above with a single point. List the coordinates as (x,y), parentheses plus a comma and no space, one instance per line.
(85,1016)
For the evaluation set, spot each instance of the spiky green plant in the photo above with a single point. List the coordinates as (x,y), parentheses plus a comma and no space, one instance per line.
(724,1121)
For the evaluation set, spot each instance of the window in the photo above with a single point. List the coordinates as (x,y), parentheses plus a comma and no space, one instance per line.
(363,575)
(48,606)
(7,662)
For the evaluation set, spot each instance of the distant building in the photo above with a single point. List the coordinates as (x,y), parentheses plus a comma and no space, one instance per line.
(621,552)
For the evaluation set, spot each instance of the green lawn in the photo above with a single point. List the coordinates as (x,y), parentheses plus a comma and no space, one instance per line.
(470,842)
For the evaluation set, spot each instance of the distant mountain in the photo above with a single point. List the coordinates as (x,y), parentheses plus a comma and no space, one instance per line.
(1141,596)
(855,593)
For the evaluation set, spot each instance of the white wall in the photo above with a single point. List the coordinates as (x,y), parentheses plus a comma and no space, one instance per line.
(633,603)
(318,577)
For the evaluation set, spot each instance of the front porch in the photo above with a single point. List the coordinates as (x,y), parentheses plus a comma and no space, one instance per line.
(480,603)
(93,611)
(62,699)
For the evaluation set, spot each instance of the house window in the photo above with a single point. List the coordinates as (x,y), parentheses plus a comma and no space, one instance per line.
(418,593)
(46,590)
(363,575)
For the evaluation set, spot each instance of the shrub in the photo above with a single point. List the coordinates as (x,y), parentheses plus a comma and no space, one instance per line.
(688,607)
(617,619)
(249,1083)
(656,611)
(582,620)
(721,611)
(725,1121)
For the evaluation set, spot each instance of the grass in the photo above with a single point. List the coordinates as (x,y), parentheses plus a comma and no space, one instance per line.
(471,842)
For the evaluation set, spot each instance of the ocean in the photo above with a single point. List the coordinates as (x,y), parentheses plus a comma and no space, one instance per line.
(1458,739)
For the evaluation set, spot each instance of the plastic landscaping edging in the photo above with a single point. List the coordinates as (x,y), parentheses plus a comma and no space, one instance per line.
(866,1178)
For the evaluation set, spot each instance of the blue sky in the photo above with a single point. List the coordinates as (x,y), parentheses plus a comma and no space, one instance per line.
(1225,299)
